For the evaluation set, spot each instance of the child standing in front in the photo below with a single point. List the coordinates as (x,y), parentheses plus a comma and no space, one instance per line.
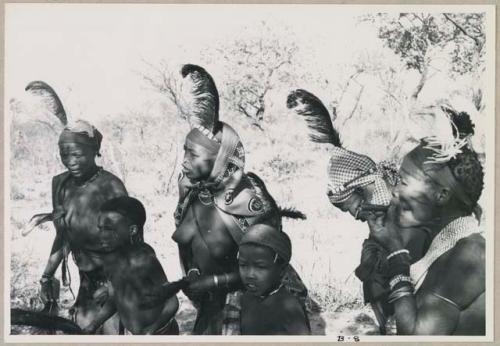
(267,308)
(135,276)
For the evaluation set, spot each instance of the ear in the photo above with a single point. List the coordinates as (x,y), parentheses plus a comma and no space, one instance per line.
(134,230)
(443,196)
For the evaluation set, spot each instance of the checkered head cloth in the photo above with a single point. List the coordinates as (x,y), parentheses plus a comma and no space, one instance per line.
(349,171)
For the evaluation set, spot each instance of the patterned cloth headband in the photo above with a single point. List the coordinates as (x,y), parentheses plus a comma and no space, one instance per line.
(349,171)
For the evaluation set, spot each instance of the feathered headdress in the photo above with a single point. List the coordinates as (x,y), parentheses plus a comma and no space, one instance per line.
(347,170)
(316,115)
(50,98)
(199,98)
(449,142)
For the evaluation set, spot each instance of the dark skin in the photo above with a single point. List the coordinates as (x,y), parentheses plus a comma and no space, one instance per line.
(216,246)
(458,275)
(135,277)
(262,313)
(81,201)
(414,237)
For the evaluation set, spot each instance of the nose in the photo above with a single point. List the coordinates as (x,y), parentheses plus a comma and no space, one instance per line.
(395,191)
(71,162)
(251,273)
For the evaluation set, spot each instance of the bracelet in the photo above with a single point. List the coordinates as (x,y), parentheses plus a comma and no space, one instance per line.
(397,279)
(216,281)
(46,278)
(226,278)
(400,293)
(193,270)
(397,252)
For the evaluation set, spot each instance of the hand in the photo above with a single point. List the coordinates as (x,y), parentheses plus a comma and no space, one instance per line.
(199,285)
(384,230)
(90,329)
(49,290)
(101,295)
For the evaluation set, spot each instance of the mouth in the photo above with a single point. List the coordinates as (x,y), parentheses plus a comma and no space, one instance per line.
(251,287)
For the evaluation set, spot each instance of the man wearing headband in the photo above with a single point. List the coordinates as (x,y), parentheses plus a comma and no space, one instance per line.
(268,308)
(443,293)
(135,276)
(218,201)
(77,195)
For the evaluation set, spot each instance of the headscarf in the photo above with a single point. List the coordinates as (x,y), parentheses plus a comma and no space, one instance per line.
(229,150)
(82,132)
(348,171)
(265,235)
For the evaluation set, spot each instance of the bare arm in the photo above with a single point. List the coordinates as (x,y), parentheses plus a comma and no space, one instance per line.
(106,311)
(156,276)
(55,258)
(454,282)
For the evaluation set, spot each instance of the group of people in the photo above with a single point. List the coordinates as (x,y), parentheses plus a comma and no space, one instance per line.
(422,267)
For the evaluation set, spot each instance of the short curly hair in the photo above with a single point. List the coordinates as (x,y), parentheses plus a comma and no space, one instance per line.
(469,172)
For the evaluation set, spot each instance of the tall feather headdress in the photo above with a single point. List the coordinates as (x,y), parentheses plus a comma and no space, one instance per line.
(199,98)
(317,117)
(50,98)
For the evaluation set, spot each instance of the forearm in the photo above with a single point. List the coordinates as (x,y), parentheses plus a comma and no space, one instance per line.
(228,280)
(55,258)
(107,310)
(406,314)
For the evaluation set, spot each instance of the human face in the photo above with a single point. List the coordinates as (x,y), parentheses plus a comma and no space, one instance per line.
(353,203)
(415,199)
(78,159)
(115,230)
(198,162)
(258,270)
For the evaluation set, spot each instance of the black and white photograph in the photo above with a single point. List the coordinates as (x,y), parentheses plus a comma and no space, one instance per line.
(230,172)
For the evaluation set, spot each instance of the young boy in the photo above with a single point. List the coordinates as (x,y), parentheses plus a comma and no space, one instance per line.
(135,276)
(267,308)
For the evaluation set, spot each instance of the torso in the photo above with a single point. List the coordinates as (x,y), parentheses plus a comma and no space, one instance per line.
(464,283)
(129,280)
(267,316)
(81,205)
(213,248)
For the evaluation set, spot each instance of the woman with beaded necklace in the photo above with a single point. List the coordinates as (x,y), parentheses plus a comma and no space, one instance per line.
(77,195)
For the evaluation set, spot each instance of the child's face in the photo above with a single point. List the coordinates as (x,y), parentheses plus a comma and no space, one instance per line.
(114,230)
(258,271)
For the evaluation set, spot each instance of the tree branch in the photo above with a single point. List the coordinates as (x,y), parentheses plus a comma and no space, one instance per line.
(463,31)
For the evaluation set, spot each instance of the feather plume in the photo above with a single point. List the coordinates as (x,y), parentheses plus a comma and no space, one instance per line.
(316,115)
(460,122)
(50,98)
(199,98)
(291,213)
(449,143)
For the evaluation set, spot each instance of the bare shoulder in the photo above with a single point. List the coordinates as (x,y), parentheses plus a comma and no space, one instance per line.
(462,271)
(114,182)
(142,256)
(289,302)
